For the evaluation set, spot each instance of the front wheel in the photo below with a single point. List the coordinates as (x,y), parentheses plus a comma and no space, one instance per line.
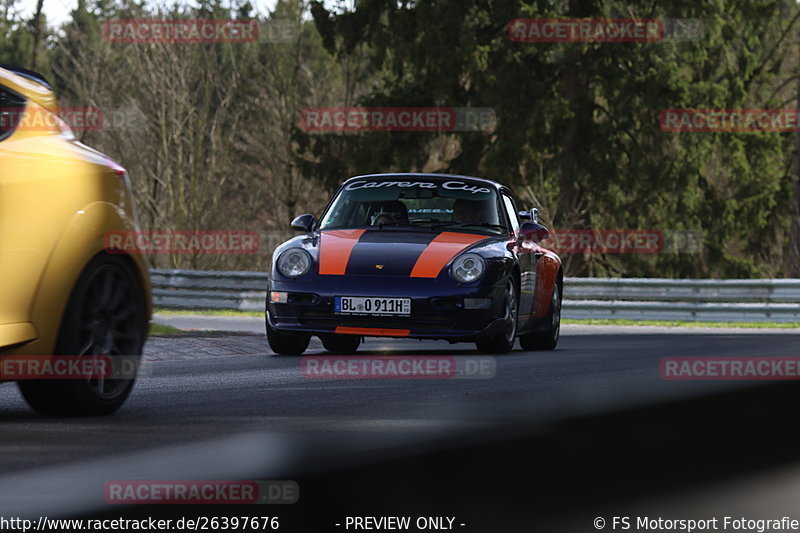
(548,339)
(105,316)
(503,342)
(284,343)
(341,343)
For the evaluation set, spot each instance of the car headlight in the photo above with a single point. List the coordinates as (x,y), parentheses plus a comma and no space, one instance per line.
(467,268)
(294,262)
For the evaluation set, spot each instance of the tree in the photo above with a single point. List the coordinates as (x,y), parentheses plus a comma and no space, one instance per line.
(588,115)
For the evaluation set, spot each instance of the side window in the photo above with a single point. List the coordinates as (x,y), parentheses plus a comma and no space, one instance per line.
(508,203)
(11,107)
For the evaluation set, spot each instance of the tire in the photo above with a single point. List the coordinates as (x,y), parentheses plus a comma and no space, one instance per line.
(341,343)
(283,343)
(105,315)
(546,340)
(503,342)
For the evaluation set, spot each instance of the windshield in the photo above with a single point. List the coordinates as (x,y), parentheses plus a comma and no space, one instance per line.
(425,203)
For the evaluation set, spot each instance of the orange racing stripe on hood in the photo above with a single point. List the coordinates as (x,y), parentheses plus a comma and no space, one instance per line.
(442,249)
(334,250)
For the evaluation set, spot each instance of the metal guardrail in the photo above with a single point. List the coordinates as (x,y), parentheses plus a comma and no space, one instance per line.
(730,300)
(209,289)
(584,298)
(686,290)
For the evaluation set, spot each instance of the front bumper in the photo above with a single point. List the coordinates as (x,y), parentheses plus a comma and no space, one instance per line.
(437,310)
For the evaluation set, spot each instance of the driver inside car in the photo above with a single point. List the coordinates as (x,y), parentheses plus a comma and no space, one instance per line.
(390,212)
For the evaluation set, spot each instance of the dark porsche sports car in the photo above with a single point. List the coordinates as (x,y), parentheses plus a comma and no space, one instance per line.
(424,256)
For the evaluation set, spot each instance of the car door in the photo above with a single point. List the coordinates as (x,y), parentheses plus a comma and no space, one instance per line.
(526,263)
(28,224)
(16,287)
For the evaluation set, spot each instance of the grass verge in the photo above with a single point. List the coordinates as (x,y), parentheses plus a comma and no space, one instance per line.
(681,323)
(206,312)
(161,329)
(594,322)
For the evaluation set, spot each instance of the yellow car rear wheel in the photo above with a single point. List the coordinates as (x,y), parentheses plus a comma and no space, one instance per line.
(105,316)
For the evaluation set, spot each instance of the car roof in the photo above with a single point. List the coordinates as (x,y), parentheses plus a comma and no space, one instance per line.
(495,184)
(29,87)
(28,73)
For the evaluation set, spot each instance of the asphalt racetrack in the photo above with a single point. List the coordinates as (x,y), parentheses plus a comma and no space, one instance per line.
(220,404)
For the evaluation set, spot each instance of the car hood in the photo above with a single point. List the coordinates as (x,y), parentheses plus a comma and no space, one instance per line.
(390,252)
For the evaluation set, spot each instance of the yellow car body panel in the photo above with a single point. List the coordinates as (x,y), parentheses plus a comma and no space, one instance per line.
(58,198)
(11,334)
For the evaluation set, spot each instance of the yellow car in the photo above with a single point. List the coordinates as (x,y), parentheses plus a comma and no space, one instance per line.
(61,292)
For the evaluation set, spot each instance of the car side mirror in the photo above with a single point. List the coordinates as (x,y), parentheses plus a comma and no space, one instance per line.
(532,215)
(303,223)
(533,231)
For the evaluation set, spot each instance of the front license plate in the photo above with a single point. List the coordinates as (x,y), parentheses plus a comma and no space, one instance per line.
(372,306)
